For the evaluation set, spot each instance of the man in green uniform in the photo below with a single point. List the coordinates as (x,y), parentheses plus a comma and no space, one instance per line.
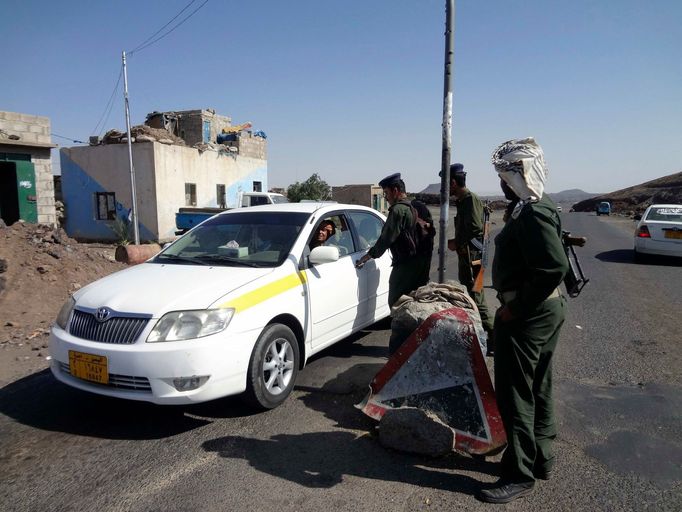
(408,272)
(468,242)
(529,265)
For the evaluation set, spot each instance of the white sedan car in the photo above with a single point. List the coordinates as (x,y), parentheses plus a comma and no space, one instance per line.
(237,305)
(659,232)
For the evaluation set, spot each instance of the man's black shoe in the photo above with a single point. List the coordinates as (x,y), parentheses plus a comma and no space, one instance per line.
(505,491)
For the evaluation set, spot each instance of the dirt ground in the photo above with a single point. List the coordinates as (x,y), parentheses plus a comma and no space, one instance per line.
(40,266)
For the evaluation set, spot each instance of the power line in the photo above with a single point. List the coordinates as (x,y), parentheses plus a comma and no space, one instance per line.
(107,109)
(147,45)
(75,141)
(155,33)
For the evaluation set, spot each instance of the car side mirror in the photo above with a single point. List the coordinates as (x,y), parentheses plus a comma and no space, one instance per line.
(323,254)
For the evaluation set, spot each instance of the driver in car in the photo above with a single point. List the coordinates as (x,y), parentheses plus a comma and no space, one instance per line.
(324,231)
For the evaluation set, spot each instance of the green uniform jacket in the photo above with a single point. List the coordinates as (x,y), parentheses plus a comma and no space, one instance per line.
(529,256)
(399,219)
(469,219)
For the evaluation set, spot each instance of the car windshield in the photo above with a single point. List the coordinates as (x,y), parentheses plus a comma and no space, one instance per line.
(279,199)
(253,239)
(666,213)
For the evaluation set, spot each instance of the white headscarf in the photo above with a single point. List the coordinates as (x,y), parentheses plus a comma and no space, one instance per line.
(521,164)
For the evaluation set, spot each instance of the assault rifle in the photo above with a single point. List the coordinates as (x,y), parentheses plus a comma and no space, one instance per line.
(575,279)
(478,283)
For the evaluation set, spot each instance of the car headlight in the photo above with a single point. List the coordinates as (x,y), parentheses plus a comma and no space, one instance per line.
(65,312)
(185,325)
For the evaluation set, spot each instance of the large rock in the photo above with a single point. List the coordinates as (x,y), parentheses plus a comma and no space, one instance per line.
(416,431)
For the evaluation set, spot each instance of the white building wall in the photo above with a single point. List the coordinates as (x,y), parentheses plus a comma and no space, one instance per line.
(161,172)
(177,165)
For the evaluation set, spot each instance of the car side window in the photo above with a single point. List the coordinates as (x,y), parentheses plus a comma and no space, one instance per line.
(340,236)
(368,228)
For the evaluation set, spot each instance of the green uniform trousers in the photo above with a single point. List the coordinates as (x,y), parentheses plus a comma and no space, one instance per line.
(467,275)
(523,385)
(407,277)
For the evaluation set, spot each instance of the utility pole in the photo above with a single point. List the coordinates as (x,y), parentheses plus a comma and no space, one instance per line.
(447,135)
(136,230)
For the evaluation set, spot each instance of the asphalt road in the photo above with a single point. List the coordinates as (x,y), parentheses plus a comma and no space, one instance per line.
(617,375)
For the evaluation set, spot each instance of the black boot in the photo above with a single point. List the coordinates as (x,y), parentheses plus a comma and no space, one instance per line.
(505,491)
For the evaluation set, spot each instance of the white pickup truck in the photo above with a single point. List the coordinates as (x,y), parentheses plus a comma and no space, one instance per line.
(187,218)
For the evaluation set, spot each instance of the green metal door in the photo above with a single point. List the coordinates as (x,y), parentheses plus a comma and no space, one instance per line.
(26,191)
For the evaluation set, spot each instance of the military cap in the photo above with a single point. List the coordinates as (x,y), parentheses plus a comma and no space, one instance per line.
(388,181)
(457,169)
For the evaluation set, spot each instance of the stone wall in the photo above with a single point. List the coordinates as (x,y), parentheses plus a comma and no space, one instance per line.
(30,129)
(249,146)
(34,140)
(191,125)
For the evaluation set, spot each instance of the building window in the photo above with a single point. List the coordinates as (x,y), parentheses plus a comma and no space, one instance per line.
(105,203)
(220,196)
(190,194)
(257,186)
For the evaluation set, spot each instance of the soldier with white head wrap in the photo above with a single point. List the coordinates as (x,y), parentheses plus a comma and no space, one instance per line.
(529,265)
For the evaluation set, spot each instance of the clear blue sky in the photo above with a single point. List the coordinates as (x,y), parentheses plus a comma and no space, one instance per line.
(353,89)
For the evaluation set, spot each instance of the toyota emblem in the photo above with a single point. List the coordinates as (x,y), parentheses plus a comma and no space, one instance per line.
(103,314)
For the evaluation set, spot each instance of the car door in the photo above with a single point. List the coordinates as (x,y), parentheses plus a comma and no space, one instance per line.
(373,277)
(333,288)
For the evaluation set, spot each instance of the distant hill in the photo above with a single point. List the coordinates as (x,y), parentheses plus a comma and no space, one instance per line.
(667,189)
(570,196)
(566,196)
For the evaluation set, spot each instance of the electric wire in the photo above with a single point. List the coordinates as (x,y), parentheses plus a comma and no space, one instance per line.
(156,33)
(107,109)
(145,44)
(75,141)
(142,47)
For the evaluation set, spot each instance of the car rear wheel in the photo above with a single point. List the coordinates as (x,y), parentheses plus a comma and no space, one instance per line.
(639,257)
(273,367)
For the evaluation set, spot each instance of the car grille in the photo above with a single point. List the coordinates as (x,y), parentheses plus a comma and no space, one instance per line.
(118,329)
(118,381)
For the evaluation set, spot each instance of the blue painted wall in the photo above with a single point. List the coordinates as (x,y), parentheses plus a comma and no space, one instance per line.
(78,190)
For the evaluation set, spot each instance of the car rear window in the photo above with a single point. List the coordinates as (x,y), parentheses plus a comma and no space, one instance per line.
(668,214)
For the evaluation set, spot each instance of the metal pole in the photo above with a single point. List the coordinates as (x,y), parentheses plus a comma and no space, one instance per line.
(136,230)
(447,134)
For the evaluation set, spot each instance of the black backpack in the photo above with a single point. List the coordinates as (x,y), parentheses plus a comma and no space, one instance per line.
(425,231)
(418,240)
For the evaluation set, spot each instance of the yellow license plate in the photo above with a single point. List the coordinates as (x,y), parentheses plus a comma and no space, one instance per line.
(677,235)
(88,367)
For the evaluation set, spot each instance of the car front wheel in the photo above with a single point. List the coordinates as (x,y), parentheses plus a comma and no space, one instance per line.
(273,367)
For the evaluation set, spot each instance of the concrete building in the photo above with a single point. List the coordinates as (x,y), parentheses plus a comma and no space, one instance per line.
(26,183)
(96,184)
(365,195)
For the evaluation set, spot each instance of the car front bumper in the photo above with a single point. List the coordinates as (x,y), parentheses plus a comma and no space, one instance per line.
(146,371)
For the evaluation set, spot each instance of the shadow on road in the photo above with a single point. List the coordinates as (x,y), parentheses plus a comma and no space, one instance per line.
(322,459)
(616,256)
(41,402)
(628,256)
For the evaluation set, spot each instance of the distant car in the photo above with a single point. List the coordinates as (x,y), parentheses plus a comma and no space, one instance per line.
(558,208)
(604,208)
(659,232)
(236,305)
